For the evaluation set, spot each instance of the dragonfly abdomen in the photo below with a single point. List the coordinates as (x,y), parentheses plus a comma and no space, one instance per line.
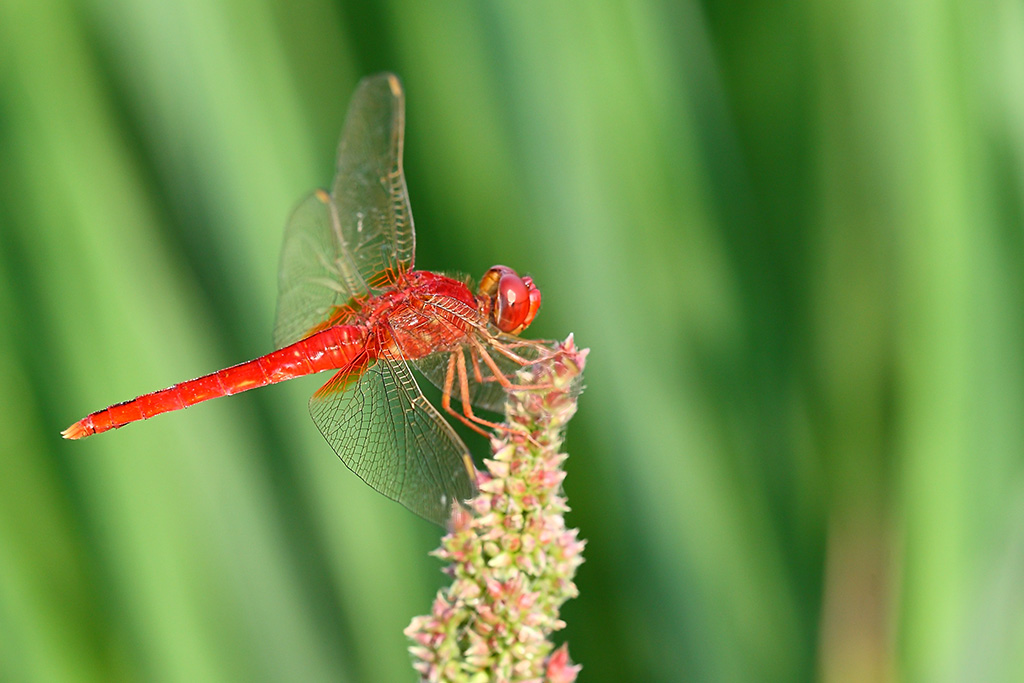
(330,349)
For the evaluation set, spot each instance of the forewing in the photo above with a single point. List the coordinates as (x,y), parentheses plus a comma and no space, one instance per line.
(385,431)
(315,274)
(370,202)
(360,237)
(484,390)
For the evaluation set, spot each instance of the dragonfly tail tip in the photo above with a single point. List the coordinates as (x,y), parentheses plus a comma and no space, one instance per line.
(75,431)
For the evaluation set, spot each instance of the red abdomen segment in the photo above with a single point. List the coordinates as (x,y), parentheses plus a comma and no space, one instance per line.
(333,348)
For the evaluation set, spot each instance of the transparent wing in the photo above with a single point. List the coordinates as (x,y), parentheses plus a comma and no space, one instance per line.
(370,202)
(360,237)
(483,388)
(385,431)
(315,274)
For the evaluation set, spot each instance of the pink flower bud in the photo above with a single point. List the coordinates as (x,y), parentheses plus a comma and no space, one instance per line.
(559,668)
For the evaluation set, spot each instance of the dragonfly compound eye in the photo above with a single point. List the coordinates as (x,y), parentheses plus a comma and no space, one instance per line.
(514,299)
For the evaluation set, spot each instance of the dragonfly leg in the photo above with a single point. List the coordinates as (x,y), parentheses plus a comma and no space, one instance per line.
(477,375)
(467,408)
(499,376)
(504,348)
(475,351)
(446,394)
(457,367)
(460,366)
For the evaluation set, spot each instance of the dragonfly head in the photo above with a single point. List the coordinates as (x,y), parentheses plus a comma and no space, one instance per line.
(514,300)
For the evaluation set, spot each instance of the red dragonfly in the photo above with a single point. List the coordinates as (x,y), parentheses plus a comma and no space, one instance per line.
(350,301)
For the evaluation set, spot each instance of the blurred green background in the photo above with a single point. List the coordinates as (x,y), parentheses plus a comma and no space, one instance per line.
(791,234)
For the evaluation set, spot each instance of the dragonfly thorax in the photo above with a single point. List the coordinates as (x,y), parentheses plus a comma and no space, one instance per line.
(427,313)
